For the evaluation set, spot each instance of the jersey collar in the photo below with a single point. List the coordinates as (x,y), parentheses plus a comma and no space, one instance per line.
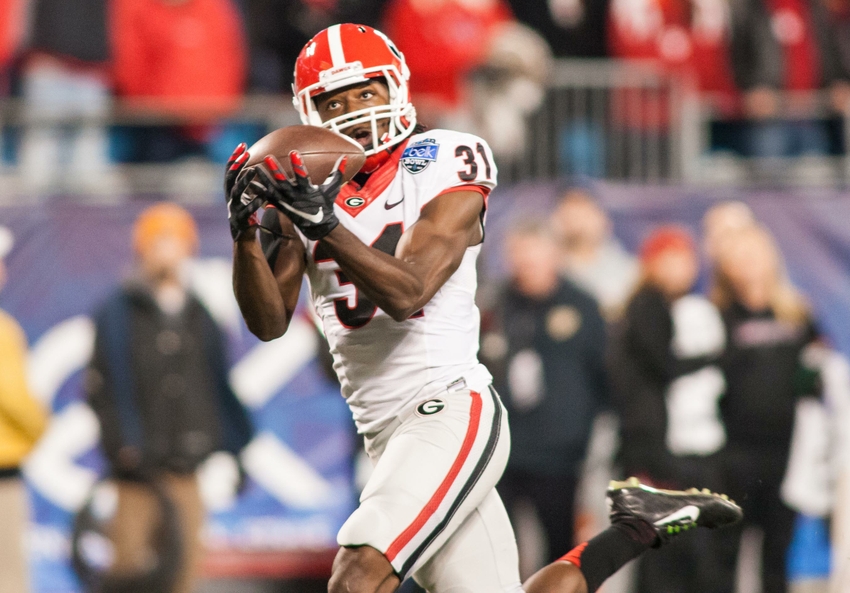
(354,198)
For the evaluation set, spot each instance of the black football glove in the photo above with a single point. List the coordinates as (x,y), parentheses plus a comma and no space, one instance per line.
(241,204)
(309,206)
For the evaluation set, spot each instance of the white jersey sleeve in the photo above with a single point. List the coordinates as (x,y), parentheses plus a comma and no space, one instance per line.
(444,160)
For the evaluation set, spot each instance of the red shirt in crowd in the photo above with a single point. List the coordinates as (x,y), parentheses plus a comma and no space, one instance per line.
(443,40)
(182,54)
(685,36)
(791,24)
(11,28)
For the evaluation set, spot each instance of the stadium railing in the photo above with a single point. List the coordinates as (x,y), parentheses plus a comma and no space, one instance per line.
(622,121)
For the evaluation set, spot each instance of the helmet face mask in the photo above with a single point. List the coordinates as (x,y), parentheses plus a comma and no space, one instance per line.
(357,54)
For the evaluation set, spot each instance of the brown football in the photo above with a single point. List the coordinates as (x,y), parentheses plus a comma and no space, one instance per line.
(319,149)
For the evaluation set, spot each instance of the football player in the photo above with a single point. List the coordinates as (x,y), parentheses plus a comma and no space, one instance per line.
(390,258)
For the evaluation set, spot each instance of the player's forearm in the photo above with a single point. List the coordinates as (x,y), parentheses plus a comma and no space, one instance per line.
(257,291)
(395,286)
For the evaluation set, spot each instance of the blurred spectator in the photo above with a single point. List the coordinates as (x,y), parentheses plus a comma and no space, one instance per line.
(11,34)
(720,221)
(508,87)
(573,28)
(65,76)
(839,11)
(768,324)
(590,254)
(786,45)
(688,39)
(443,41)
(177,57)
(158,384)
(666,387)
(278,29)
(22,421)
(546,351)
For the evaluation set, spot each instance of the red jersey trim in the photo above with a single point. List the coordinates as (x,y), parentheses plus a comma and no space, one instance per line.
(480,189)
(484,191)
(377,183)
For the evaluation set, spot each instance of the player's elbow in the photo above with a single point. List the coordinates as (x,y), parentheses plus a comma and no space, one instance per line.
(268,331)
(399,314)
(402,309)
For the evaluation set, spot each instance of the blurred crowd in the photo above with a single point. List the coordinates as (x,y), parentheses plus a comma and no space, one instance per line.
(705,353)
(755,61)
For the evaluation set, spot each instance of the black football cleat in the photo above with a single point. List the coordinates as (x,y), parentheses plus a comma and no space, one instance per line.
(670,512)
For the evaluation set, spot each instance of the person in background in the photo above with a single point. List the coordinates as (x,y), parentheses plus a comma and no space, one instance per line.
(177,58)
(787,45)
(590,254)
(278,29)
(65,75)
(12,14)
(22,422)
(573,28)
(768,324)
(551,370)
(684,39)
(508,87)
(720,221)
(158,384)
(666,387)
(459,33)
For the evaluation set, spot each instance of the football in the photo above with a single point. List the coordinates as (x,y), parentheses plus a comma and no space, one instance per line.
(319,149)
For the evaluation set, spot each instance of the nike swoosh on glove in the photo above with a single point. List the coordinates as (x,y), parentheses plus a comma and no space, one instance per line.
(241,204)
(309,206)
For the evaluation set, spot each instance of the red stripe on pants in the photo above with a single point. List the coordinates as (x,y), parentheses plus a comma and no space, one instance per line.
(431,507)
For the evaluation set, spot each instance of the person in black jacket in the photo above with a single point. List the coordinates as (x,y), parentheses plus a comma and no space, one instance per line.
(787,45)
(545,346)
(158,383)
(768,325)
(666,387)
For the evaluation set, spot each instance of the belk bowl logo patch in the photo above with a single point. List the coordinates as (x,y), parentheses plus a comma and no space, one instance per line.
(417,157)
(430,407)
(354,202)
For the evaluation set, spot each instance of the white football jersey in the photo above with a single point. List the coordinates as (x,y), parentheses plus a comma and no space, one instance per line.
(385,366)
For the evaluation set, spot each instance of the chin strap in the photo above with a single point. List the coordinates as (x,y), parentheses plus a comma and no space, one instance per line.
(374,161)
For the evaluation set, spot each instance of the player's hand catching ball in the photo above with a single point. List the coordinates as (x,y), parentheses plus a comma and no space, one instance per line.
(241,205)
(309,206)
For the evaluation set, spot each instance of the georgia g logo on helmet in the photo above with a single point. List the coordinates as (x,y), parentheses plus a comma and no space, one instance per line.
(348,54)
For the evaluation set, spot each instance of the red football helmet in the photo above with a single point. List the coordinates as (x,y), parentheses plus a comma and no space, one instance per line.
(347,54)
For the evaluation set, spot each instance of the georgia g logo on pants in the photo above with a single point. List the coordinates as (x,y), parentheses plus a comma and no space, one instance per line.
(430,407)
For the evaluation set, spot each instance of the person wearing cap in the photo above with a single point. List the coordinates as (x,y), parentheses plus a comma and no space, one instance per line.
(158,384)
(667,384)
(22,422)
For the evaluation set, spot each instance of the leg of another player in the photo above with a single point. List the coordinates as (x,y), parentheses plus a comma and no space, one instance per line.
(587,566)
(641,518)
(362,570)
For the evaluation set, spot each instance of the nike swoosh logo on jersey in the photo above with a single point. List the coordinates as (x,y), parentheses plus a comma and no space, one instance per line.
(388,205)
(688,514)
(314,218)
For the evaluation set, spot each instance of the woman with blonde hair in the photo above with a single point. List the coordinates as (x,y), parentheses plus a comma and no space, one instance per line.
(768,324)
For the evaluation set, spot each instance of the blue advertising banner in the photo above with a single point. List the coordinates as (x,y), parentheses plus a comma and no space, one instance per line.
(66,260)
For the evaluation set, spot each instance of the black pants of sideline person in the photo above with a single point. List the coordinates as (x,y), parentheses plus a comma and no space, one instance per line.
(553,498)
(694,562)
(754,479)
